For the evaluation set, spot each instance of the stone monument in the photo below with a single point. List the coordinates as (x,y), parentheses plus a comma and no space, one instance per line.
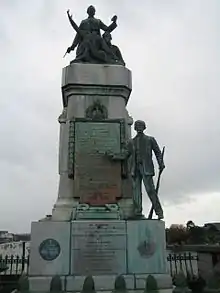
(97,228)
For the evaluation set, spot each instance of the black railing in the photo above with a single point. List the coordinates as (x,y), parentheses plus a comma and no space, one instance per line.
(14,265)
(185,262)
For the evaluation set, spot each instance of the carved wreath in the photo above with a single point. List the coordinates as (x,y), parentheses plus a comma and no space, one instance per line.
(96,111)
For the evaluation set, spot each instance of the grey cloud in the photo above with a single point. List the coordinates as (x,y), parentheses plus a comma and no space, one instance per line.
(172,48)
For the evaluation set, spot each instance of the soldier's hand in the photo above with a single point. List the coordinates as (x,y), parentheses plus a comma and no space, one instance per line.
(69,50)
(161,168)
(114,18)
(68,13)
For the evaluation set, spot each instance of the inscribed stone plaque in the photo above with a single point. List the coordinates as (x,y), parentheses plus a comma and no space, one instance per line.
(146,247)
(97,178)
(98,248)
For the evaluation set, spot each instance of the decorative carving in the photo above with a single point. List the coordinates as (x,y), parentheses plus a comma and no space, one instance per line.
(147,247)
(88,285)
(180,282)
(83,207)
(97,111)
(120,285)
(63,116)
(23,283)
(49,249)
(56,284)
(124,163)
(71,149)
(112,207)
(151,285)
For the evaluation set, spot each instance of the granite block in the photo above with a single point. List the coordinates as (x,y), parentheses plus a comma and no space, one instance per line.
(146,247)
(58,232)
(164,281)
(42,284)
(102,227)
(75,283)
(96,74)
(98,247)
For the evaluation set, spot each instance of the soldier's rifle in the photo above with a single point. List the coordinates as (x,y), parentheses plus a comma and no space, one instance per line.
(150,215)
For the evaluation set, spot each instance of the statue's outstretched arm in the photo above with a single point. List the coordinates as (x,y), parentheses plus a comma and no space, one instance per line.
(72,22)
(111,27)
(123,155)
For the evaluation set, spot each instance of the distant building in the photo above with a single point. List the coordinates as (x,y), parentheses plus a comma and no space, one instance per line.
(14,248)
(5,236)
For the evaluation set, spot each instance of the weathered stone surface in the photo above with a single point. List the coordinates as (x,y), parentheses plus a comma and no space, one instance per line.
(109,242)
(56,284)
(82,86)
(146,247)
(120,285)
(98,180)
(97,215)
(98,248)
(104,227)
(88,285)
(102,283)
(164,281)
(181,284)
(87,74)
(23,283)
(151,285)
(42,283)
(213,283)
(59,232)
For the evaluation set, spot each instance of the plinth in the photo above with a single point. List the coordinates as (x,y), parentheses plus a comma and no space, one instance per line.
(95,120)
(103,249)
(91,231)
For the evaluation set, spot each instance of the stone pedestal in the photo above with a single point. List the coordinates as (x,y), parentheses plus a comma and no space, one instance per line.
(103,249)
(87,88)
(89,232)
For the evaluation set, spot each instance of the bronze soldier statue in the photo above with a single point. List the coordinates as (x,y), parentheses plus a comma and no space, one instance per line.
(139,150)
(91,48)
(115,51)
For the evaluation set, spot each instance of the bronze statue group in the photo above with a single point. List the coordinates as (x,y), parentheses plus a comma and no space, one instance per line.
(91,46)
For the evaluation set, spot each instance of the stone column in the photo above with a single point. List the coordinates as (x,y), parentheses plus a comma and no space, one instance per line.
(83,85)
(66,203)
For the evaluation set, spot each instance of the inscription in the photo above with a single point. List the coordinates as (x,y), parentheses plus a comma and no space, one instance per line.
(98,180)
(71,147)
(99,248)
(103,228)
(104,242)
(109,262)
(49,249)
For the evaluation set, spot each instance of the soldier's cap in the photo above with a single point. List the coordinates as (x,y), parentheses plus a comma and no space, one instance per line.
(90,7)
(139,122)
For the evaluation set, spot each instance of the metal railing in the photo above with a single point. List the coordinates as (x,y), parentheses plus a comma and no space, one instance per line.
(14,265)
(186,262)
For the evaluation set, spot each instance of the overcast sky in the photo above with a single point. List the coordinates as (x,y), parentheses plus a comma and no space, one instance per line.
(172,48)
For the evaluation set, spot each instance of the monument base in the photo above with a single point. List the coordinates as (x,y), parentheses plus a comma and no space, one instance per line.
(105,283)
(106,212)
(103,249)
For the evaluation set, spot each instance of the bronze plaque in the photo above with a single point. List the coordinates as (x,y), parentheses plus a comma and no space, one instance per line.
(98,248)
(97,178)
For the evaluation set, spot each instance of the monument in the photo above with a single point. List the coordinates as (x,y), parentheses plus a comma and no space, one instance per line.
(97,227)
